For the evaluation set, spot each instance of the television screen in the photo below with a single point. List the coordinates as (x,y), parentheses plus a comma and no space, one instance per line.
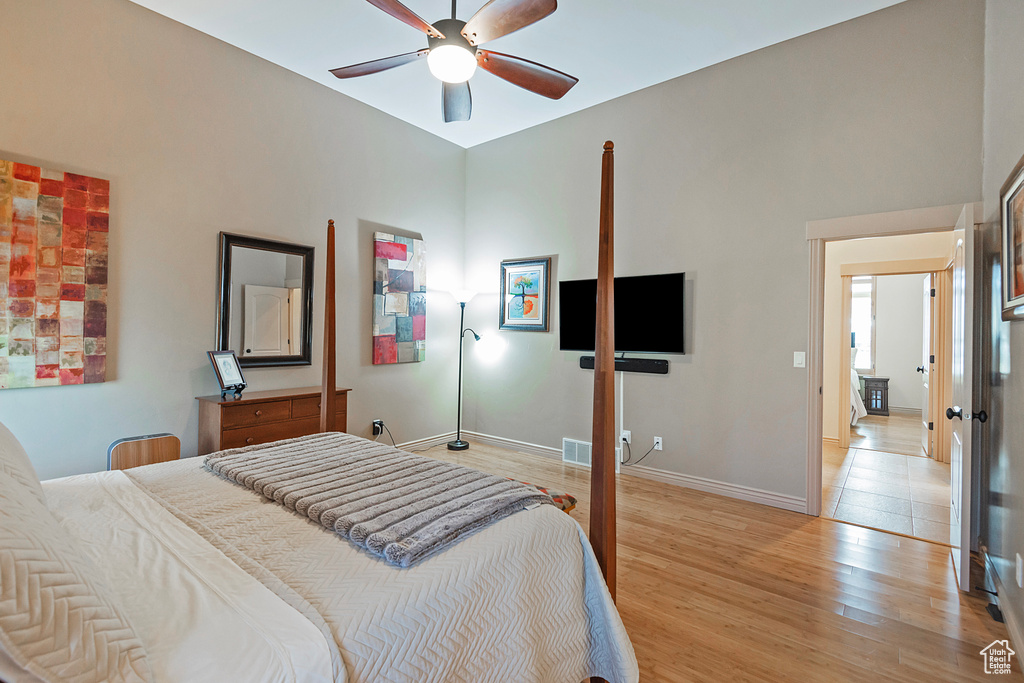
(648,314)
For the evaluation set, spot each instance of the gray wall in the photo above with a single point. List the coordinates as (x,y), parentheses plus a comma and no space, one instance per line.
(197,137)
(1003,475)
(717,173)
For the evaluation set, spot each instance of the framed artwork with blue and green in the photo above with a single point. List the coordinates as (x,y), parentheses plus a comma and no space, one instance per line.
(525,294)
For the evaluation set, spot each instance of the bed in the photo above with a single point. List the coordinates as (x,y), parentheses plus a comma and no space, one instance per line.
(857,409)
(171,573)
(218,583)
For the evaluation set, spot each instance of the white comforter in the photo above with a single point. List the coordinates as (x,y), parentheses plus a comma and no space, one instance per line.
(200,616)
(522,600)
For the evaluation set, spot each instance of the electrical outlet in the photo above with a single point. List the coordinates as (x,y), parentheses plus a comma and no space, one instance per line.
(1020,572)
(657,443)
(626,436)
(378,427)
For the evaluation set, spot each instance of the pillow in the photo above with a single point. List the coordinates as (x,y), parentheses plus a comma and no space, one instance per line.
(58,621)
(14,463)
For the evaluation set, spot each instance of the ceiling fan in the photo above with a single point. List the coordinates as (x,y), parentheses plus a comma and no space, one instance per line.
(453,56)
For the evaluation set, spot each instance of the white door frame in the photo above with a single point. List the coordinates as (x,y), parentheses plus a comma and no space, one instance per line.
(933,219)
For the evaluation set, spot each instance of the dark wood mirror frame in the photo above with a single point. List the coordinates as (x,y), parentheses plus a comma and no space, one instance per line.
(227,241)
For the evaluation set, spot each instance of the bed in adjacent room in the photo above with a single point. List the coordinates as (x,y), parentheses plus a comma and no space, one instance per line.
(857,409)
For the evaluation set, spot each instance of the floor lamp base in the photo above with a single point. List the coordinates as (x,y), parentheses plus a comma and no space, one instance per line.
(458,445)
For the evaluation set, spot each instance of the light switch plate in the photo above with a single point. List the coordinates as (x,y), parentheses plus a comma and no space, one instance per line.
(799,359)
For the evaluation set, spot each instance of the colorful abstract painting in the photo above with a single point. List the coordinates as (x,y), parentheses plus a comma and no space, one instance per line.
(399,300)
(524,295)
(1012,200)
(53,277)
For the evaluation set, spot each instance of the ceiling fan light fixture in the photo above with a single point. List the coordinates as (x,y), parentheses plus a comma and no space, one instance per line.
(451,63)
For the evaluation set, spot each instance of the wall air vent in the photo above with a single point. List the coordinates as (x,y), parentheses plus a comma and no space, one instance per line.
(580,453)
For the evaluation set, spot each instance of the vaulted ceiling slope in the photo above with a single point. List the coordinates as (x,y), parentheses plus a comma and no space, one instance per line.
(613,47)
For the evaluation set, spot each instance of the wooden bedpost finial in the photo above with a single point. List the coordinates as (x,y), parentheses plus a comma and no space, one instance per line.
(609,146)
(330,223)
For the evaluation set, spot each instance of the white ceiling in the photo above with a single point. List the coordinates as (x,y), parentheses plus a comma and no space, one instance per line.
(613,47)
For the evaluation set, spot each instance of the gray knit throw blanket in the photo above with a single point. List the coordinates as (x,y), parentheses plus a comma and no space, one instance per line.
(399,506)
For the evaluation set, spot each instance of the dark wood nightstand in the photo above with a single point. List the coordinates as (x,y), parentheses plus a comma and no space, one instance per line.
(876,395)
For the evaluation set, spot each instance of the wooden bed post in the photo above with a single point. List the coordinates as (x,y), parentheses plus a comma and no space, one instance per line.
(329,390)
(602,481)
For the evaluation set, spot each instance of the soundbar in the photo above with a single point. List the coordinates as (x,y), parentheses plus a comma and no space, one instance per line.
(653,366)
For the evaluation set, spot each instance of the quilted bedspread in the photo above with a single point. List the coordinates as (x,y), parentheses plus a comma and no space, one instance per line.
(400,506)
(521,600)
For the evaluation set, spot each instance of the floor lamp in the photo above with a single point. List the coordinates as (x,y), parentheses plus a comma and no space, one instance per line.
(462,296)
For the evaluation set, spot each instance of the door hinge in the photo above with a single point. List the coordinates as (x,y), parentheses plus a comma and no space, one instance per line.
(933,291)
(931,426)
(931,359)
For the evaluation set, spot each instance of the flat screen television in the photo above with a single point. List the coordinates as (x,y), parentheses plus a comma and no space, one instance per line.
(648,314)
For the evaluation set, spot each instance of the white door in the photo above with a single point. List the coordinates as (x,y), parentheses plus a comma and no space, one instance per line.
(925,368)
(295,322)
(265,321)
(960,412)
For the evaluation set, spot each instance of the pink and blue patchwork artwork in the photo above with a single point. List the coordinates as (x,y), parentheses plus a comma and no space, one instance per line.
(53,277)
(399,299)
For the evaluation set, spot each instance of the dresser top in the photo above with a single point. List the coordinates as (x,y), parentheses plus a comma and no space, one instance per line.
(258,396)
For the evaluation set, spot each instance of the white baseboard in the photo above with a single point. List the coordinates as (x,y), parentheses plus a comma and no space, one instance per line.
(1013,627)
(512,444)
(776,500)
(428,442)
(686,481)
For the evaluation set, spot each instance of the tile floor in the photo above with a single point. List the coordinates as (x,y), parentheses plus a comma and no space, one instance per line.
(889,491)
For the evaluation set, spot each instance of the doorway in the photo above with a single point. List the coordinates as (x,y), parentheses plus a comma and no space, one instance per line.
(885,453)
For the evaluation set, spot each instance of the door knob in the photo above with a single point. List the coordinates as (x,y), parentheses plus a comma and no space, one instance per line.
(920,368)
(980,416)
(950,413)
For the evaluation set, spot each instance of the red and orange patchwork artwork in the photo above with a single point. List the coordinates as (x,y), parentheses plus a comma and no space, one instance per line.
(53,277)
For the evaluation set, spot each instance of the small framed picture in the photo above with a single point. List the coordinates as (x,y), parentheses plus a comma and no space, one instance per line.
(525,294)
(229,372)
(1011,202)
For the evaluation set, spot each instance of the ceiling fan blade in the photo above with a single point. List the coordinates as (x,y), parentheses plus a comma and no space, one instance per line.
(500,17)
(378,64)
(532,76)
(457,101)
(404,14)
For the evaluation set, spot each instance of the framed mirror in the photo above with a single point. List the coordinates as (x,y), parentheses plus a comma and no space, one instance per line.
(265,307)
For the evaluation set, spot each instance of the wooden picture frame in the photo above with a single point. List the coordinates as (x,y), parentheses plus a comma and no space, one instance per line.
(525,299)
(1011,210)
(229,372)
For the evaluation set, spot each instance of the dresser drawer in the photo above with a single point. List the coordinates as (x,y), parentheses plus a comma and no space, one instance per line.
(308,407)
(249,436)
(255,414)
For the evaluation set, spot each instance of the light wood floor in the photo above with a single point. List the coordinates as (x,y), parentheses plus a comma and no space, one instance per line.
(900,432)
(715,589)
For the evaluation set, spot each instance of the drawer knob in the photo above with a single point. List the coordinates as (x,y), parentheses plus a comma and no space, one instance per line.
(250,440)
(258,413)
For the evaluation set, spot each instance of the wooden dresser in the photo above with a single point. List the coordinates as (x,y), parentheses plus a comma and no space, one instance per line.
(262,417)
